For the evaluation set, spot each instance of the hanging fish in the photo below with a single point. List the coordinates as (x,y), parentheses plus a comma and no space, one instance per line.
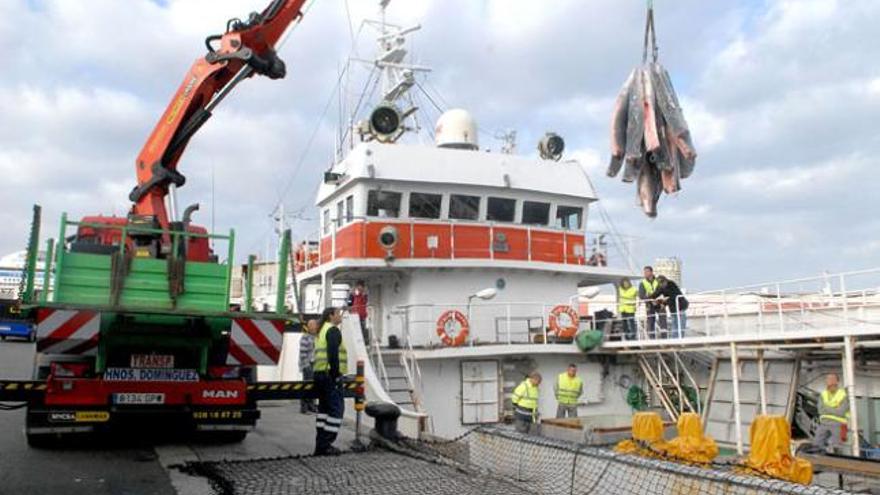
(648,188)
(635,131)
(650,139)
(618,125)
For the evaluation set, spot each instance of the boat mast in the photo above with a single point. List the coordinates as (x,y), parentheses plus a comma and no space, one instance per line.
(396,77)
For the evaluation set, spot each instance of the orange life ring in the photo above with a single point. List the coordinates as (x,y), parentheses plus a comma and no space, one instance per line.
(459,337)
(568,331)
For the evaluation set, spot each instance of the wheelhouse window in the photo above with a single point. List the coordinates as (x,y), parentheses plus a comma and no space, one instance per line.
(501,210)
(340,213)
(569,217)
(424,205)
(463,207)
(535,213)
(349,209)
(326,220)
(385,204)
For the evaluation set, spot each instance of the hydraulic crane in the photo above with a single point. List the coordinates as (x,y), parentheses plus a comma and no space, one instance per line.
(137,326)
(246,48)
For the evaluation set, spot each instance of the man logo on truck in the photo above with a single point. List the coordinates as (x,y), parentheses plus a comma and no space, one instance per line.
(219,394)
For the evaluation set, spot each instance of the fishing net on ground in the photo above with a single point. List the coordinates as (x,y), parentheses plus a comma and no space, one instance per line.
(487,460)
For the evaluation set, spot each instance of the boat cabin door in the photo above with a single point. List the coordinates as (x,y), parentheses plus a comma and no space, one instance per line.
(480,392)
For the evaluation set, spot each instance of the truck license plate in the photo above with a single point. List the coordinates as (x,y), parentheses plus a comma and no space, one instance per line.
(138,398)
(152,360)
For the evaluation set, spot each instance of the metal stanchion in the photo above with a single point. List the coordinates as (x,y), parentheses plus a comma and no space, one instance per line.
(359,403)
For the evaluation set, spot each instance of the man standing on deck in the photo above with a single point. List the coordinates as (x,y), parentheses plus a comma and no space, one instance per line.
(569,388)
(331,362)
(307,362)
(525,402)
(833,415)
(646,290)
(357,304)
(669,295)
(626,308)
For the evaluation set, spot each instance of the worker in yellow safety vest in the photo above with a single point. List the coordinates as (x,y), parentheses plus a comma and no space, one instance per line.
(627,297)
(647,288)
(331,362)
(525,402)
(833,415)
(569,388)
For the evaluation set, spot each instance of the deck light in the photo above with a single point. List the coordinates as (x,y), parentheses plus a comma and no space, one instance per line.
(551,146)
(385,122)
(485,294)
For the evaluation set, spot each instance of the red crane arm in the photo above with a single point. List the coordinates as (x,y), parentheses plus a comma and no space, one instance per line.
(244,49)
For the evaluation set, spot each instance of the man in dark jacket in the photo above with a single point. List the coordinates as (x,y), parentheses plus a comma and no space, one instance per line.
(331,362)
(669,294)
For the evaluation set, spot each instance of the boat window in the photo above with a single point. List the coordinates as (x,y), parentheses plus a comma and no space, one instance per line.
(349,209)
(424,205)
(340,213)
(462,207)
(385,204)
(501,210)
(569,217)
(535,213)
(326,221)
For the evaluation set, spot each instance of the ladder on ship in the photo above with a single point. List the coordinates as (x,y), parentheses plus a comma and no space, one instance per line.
(400,374)
(779,377)
(671,382)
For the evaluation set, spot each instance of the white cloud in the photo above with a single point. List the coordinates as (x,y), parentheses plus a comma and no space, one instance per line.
(874,86)
(708,129)
(781,98)
(869,248)
(590,159)
(801,181)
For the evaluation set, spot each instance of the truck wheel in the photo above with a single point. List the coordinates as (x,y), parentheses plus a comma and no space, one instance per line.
(41,440)
(234,436)
(220,437)
(2,337)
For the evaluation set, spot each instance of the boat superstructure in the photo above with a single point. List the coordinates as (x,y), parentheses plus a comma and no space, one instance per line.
(480,266)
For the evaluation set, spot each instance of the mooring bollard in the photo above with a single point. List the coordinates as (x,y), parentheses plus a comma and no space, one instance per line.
(385,419)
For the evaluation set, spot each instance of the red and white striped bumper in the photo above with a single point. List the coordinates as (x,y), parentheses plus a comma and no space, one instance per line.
(65,331)
(255,341)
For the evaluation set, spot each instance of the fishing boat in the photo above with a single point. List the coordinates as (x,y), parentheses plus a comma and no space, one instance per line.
(483,265)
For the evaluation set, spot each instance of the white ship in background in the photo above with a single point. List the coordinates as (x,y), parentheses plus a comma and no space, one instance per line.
(12,270)
(481,266)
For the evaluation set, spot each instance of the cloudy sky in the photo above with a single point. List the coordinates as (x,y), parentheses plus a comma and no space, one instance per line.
(782,98)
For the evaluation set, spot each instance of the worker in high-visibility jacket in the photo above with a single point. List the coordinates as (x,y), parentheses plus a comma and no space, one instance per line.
(331,363)
(569,388)
(525,402)
(627,296)
(655,313)
(833,415)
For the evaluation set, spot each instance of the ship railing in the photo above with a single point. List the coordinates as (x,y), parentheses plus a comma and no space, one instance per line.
(849,300)
(510,323)
(594,248)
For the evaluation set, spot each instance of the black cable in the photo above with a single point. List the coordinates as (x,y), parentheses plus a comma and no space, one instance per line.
(309,143)
(429,97)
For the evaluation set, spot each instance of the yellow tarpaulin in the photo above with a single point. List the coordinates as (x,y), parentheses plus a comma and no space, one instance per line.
(690,445)
(770,453)
(647,427)
(647,430)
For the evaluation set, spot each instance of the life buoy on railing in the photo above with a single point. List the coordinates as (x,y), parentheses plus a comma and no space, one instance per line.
(568,330)
(445,331)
